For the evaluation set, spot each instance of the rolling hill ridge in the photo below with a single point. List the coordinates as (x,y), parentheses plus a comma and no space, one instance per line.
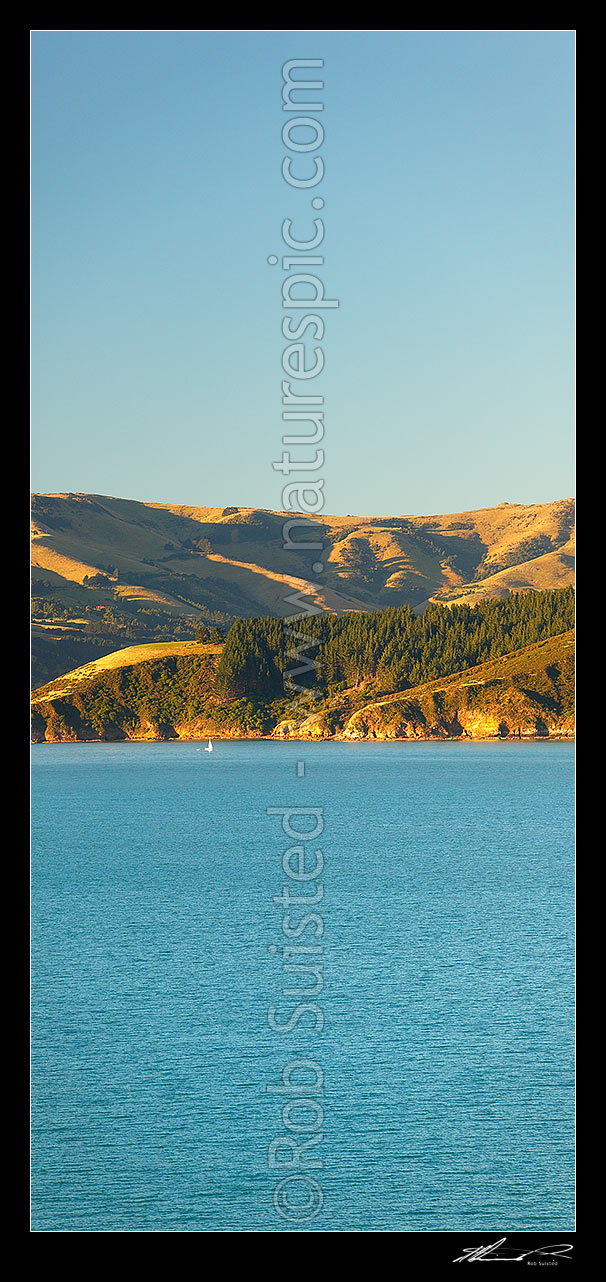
(108,571)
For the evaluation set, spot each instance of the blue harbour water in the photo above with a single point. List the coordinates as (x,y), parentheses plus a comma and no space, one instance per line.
(157,950)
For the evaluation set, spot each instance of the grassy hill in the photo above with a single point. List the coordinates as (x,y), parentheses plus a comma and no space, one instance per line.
(108,571)
(129,657)
(135,693)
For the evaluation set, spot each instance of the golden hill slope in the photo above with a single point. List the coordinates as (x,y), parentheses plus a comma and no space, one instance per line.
(193,558)
(128,657)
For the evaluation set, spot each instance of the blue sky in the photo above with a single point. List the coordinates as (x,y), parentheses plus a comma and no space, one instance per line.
(158,195)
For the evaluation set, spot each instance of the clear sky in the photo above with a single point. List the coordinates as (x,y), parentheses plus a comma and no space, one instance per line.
(158,195)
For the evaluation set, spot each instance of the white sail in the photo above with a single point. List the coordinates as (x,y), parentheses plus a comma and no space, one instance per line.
(210,746)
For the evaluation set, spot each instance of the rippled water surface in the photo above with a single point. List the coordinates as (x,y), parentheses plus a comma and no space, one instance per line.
(446,1049)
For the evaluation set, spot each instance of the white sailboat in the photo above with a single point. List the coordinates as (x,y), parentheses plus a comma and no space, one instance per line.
(210,746)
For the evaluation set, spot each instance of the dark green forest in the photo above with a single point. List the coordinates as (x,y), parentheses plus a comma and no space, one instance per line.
(399,649)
